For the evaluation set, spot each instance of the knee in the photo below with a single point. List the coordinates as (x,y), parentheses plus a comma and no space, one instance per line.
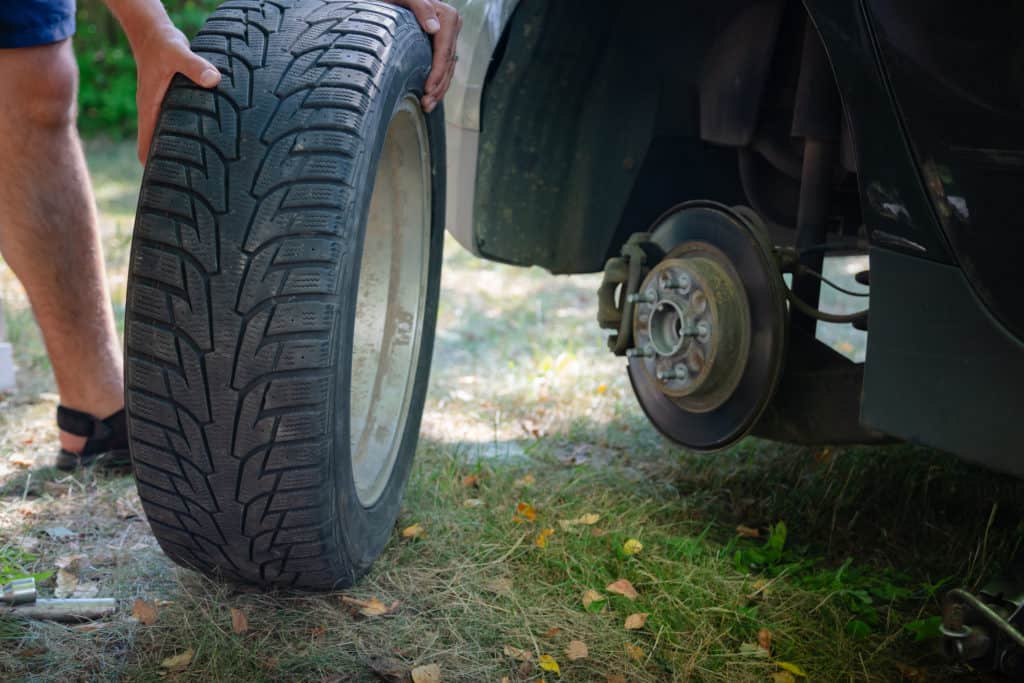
(42,85)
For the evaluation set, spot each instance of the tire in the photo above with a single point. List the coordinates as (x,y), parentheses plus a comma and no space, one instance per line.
(279,322)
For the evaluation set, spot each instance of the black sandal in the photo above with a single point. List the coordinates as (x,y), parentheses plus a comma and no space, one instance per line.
(106,440)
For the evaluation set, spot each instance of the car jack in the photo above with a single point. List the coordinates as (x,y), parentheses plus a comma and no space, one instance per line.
(984,630)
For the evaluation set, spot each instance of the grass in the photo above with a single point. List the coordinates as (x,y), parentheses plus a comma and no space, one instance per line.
(525,400)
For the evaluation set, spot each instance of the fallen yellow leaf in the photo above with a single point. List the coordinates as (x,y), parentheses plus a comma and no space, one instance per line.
(792,668)
(576,649)
(428,673)
(783,677)
(413,531)
(632,546)
(589,519)
(635,652)
(601,388)
(543,536)
(144,611)
(636,621)
(548,663)
(239,622)
(524,513)
(369,608)
(516,653)
(590,596)
(178,662)
(622,587)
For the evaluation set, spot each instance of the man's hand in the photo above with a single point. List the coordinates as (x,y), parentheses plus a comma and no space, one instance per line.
(443,23)
(158,56)
(160,51)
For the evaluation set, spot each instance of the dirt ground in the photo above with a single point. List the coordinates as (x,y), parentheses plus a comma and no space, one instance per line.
(539,488)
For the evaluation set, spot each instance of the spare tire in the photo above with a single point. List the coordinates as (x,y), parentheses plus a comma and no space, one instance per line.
(283,290)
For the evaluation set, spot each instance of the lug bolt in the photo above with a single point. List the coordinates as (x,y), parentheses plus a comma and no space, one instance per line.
(645,352)
(678,372)
(684,283)
(648,297)
(703,330)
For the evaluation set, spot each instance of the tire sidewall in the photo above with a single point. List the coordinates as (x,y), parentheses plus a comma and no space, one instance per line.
(362,532)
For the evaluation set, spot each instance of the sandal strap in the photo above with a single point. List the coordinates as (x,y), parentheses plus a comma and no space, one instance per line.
(83,424)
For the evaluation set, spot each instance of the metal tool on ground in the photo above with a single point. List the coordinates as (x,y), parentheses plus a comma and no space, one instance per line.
(20,600)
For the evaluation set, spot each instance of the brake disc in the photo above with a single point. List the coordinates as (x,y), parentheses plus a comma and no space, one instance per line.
(709,326)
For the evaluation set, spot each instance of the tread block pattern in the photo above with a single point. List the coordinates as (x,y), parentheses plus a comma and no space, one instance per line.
(240,239)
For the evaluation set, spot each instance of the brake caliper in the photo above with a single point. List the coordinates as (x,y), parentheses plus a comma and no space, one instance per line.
(623,274)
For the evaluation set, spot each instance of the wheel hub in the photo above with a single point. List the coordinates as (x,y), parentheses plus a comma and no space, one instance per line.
(708,325)
(692,324)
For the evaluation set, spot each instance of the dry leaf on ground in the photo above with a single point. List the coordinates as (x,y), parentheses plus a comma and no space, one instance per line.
(543,536)
(428,673)
(783,677)
(747,532)
(67,582)
(615,678)
(524,513)
(590,596)
(413,531)
(516,653)
(22,461)
(576,649)
(622,587)
(369,608)
(472,503)
(527,480)
(551,632)
(635,652)
(178,662)
(588,519)
(791,668)
(636,621)
(632,546)
(471,481)
(239,622)
(548,663)
(144,611)
(764,640)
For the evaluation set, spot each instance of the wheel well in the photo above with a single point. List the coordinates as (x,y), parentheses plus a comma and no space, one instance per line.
(594,123)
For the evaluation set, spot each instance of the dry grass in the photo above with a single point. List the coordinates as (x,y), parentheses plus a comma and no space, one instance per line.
(521,382)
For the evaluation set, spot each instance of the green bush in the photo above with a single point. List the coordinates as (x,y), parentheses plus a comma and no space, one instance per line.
(106,97)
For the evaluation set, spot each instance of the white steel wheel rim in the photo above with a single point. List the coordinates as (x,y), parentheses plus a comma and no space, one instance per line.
(390,302)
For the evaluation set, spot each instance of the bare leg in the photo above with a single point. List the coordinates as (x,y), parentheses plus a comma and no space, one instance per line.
(49,234)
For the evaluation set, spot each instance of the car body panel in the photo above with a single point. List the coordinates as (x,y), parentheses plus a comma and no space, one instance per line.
(957,75)
(483,25)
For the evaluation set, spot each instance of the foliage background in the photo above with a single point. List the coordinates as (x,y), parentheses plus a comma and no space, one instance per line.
(107,92)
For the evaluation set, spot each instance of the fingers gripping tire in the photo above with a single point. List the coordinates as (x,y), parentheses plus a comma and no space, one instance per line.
(283,292)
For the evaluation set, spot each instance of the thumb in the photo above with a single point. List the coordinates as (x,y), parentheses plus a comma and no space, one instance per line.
(200,71)
(425,14)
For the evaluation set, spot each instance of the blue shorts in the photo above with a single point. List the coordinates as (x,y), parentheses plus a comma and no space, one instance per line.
(26,23)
